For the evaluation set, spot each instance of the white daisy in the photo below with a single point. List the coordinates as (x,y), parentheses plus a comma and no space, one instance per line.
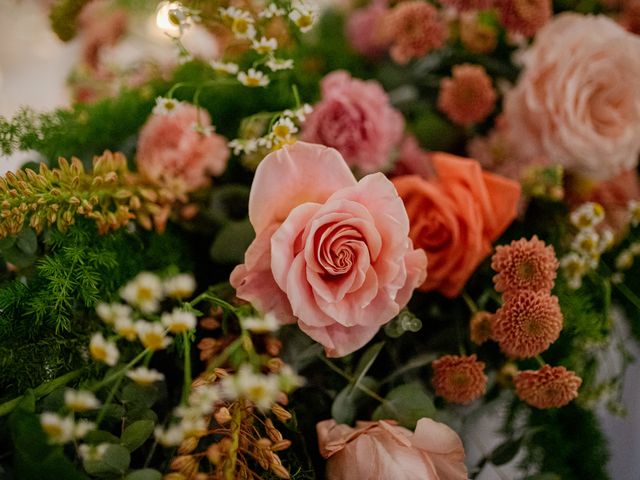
(145,376)
(102,350)
(253,78)
(178,321)
(80,400)
(144,291)
(152,335)
(180,286)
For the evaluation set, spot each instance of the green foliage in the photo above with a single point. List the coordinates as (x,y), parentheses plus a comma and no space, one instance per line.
(568,442)
(63,17)
(47,316)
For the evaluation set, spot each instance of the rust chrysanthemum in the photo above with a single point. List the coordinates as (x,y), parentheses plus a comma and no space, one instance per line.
(467,5)
(413,29)
(524,16)
(524,265)
(549,387)
(480,327)
(527,323)
(468,96)
(459,379)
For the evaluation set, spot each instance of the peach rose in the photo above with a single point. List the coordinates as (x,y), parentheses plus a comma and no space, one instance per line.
(355,118)
(384,451)
(456,217)
(170,148)
(330,252)
(579,104)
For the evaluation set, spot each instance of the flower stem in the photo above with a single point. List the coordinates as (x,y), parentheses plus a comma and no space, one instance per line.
(120,372)
(470,303)
(226,353)
(540,360)
(186,387)
(236,423)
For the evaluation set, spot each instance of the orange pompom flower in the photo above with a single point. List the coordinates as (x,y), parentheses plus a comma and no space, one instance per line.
(467,5)
(480,327)
(524,16)
(459,379)
(527,323)
(468,97)
(524,265)
(549,387)
(413,29)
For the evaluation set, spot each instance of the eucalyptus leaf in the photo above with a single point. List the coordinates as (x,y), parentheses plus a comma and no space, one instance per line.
(407,404)
(366,361)
(136,434)
(144,474)
(505,452)
(231,242)
(115,461)
(27,241)
(346,404)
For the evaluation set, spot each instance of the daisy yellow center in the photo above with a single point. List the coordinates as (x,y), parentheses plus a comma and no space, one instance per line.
(144,294)
(240,25)
(253,82)
(153,341)
(281,131)
(98,352)
(52,429)
(256,392)
(305,21)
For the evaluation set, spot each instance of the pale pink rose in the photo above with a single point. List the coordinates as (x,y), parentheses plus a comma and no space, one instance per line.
(577,102)
(384,451)
(355,118)
(170,148)
(331,253)
(364,29)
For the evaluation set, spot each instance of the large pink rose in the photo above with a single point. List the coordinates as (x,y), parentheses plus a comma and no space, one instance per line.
(577,102)
(384,451)
(170,148)
(355,118)
(330,252)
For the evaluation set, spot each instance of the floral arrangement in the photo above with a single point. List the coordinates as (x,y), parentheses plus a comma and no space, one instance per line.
(325,244)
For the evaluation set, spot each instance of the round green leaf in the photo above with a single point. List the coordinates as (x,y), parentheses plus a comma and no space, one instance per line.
(136,434)
(144,474)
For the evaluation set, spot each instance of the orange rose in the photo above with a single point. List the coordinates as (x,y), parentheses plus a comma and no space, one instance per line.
(456,217)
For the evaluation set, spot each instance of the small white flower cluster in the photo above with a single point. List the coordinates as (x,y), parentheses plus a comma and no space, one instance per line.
(634,212)
(625,260)
(63,429)
(165,106)
(260,389)
(587,245)
(281,132)
(257,324)
(180,17)
(145,292)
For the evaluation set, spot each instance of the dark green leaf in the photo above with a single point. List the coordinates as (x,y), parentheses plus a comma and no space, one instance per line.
(407,404)
(96,437)
(137,394)
(505,452)
(136,434)
(346,404)
(366,361)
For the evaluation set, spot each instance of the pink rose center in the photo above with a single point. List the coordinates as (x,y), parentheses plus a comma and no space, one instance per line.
(339,247)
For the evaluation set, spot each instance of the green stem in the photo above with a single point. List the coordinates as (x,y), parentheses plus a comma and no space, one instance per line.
(226,353)
(236,423)
(540,360)
(470,303)
(40,391)
(348,377)
(186,387)
(120,372)
(112,393)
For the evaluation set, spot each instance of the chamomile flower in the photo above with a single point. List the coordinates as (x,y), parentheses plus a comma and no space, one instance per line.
(265,45)
(299,114)
(180,286)
(93,452)
(587,215)
(165,106)
(145,376)
(178,321)
(82,427)
(266,324)
(624,260)
(289,380)
(260,389)
(144,291)
(204,398)
(225,67)
(110,312)
(253,78)
(574,266)
(283,128)
(80,400)
(169,437)
(303,15)
(192,422)
(102,350)
(272,11)
(240,21)
(587,242)
(152,335)
(59,429)
(243,146)
(126,329)
(277,64)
